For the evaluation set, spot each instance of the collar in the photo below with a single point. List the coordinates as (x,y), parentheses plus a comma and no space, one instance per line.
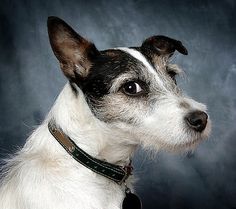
(113,172)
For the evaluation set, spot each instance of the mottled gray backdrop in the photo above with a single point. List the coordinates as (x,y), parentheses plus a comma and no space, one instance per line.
(30,80)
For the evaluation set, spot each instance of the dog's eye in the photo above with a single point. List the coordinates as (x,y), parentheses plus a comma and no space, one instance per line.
(132,88)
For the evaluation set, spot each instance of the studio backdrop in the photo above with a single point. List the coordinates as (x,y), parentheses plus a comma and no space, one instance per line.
(30,80)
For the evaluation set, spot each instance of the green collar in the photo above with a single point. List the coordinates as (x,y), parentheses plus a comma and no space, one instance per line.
(113,172)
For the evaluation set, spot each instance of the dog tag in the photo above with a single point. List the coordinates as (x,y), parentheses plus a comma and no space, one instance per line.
(131,201)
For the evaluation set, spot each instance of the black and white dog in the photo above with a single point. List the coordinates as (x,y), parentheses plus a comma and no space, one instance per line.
(115,100)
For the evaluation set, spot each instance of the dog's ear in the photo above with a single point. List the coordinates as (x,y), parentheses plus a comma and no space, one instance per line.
(157,47)
(163,46)
(74,53)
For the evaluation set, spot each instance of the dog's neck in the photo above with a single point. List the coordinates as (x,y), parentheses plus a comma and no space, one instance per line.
(73,115)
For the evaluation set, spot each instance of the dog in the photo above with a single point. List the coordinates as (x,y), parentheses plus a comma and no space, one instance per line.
(115,100)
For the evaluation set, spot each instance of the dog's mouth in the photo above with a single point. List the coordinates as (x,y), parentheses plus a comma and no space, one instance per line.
(194,135)
(196,139)
(187,140)
(191,144)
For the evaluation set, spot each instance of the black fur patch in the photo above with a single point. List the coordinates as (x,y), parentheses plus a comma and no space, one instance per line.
(106,67)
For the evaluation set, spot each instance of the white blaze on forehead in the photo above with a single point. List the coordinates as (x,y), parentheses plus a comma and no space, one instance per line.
(136,54)
(139,56)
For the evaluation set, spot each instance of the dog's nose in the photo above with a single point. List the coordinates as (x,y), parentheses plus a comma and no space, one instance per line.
(197,120)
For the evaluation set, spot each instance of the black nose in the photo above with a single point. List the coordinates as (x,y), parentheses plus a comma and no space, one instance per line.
(197,120)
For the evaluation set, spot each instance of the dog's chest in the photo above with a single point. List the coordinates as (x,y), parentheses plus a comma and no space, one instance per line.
(96,195)
(59,187)
(86,190)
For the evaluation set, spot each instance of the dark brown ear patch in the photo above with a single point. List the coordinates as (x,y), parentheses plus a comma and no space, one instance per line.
(74,53)
(163,46)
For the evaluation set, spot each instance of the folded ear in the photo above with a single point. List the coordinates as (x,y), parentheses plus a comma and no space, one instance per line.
(159,48)
(74,53)
(163,46)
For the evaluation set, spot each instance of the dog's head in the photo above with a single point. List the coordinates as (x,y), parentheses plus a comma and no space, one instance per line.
(132,90)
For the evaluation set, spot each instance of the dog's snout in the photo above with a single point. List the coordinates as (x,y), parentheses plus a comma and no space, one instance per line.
(197,120)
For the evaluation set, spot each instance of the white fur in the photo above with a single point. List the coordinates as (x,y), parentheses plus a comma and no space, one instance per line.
(171,133)
(43,176)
